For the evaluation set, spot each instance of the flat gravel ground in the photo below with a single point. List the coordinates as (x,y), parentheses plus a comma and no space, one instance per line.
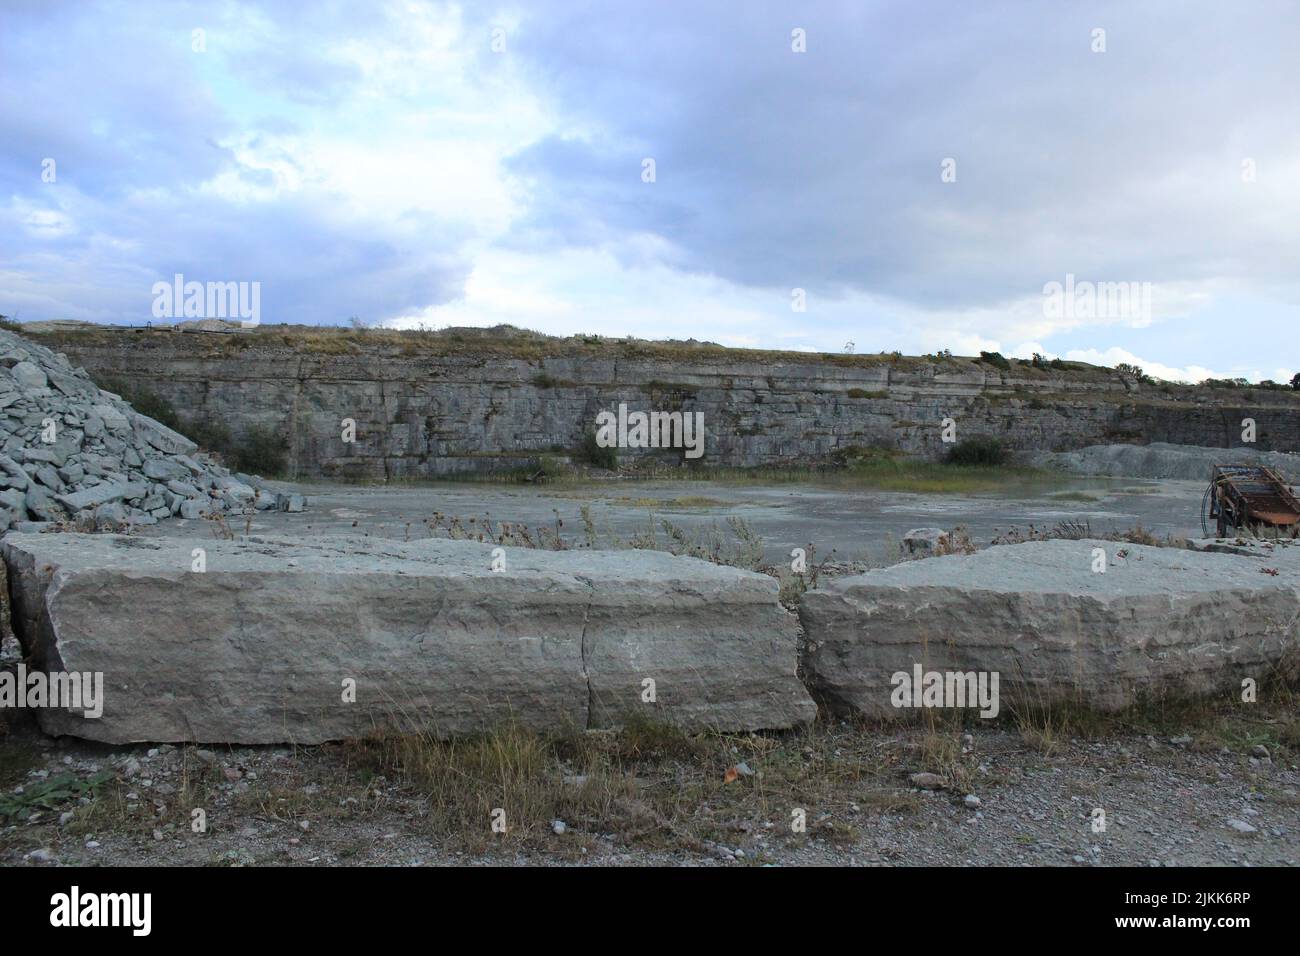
(862,526)
(1186,800)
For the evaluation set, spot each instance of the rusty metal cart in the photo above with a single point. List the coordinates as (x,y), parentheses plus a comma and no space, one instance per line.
(1249,499)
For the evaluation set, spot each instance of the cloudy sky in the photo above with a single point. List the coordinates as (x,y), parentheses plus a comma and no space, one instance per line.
(922,171)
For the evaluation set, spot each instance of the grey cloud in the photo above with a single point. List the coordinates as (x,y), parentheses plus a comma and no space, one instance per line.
(822,169)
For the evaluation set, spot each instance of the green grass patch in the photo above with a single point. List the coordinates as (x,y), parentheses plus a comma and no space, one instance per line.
(885,474)
(52,793)
(1086,497)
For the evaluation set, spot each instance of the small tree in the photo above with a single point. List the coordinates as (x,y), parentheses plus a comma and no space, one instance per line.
(995,359)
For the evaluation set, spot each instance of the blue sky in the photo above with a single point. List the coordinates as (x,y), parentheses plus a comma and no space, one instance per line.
(436,164)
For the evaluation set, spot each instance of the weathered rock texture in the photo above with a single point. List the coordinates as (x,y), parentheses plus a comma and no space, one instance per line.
(452,403)
(72,452)
(257,648)
(1158,622)
(1161,460)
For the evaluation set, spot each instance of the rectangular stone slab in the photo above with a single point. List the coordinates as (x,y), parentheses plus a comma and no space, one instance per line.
(257,648)
(1158,622)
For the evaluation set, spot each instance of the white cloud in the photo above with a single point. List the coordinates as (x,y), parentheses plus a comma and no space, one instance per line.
(1191,373)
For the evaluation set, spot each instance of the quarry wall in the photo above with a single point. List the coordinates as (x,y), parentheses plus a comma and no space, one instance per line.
(436,411)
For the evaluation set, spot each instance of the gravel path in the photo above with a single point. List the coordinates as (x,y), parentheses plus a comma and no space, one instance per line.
(1174,801)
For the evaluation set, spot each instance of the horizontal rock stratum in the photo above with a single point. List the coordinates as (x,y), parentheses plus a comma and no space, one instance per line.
(433,403)
(1158,622)
(260,646)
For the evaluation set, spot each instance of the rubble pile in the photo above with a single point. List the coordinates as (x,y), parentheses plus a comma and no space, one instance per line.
(72,454)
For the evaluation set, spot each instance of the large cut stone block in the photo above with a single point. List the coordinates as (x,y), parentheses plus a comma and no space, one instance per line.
(260,646)
(1157,622)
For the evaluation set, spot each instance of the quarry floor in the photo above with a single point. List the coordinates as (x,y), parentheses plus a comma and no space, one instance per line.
(858,526)
(1199,797)
(1183,789)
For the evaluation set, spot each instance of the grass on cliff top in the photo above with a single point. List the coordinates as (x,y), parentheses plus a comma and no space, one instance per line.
(478,345)
(508,341)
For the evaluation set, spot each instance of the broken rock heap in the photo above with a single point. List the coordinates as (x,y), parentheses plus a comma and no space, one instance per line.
(73,454)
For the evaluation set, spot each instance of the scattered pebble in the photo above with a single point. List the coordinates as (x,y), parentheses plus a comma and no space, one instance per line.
(927,781)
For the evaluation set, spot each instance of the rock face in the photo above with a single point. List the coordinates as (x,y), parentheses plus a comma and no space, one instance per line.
(425,406)
(1162,460)
(261,646)
(1157,622)
(71,452)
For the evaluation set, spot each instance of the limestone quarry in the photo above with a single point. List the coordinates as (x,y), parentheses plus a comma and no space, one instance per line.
(477,401)
(172,619)
(304,638)
(556,435)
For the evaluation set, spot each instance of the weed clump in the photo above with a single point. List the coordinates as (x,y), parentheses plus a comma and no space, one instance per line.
(981,450)
(593,453)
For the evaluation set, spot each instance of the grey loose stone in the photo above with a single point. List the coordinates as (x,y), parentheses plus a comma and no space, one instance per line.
(161,437)
(14,470)
(161,469)
(111,514)
(922,540)
(113,418)
(101,494)
(193,509)
(70,385)
(45,453)
(49,478)
(28,376)
(41,506)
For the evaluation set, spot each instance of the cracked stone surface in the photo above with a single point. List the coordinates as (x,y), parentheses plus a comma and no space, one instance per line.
(257,648)
(1157,622)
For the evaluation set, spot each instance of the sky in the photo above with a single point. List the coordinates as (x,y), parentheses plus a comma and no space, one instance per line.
(1105,182)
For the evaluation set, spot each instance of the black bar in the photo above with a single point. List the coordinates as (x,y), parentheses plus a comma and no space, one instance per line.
(322,906)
